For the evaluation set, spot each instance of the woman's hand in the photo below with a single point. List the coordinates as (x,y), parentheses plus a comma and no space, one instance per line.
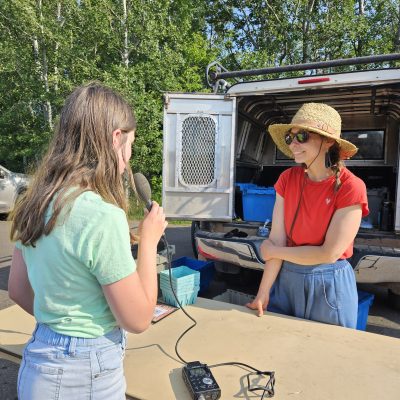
(267,249)
(153,225)
(260,303)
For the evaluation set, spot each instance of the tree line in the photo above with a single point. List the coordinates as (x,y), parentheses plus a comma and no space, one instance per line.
(143,48)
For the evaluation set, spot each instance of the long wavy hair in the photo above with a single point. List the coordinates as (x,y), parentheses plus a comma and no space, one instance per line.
(80,157)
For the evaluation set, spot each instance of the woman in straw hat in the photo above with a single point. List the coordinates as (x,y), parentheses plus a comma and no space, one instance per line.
(317,213)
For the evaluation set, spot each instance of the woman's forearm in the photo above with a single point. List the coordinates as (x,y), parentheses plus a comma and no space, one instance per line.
(340,235)
(304,255)
(271,271)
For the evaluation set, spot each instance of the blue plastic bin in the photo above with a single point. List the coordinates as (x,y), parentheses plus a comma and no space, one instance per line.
(205,268)
(365,300)
(258,203)
(239,197)
(243,186)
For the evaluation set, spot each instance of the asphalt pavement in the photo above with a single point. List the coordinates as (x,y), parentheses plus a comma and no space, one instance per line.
(381,320)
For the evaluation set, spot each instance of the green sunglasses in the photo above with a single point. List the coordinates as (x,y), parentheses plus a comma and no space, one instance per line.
(301,137)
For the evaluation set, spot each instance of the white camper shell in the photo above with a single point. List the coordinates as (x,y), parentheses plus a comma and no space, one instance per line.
(214,141)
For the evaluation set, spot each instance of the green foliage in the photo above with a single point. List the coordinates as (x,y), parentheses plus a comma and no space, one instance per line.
(136,209)
(50,47)
(256,33)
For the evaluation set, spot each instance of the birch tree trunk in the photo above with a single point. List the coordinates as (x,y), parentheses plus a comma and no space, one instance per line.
(56,75)
(360,44)
(306,29)
(125,51)
(39,49)
(397,37)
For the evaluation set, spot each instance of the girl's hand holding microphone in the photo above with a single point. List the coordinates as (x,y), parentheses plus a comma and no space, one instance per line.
(153,225)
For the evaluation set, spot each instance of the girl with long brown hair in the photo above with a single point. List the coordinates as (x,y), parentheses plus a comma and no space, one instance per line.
(72,267)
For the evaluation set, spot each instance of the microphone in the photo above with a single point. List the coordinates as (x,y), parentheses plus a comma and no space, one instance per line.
(143,189)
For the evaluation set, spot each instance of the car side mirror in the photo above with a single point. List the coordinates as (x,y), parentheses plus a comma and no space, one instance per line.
(2,176)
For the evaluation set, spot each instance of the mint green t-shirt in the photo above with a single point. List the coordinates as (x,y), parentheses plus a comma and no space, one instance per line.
(88,247)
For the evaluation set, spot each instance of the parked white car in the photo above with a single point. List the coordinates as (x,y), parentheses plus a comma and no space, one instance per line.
(12,185)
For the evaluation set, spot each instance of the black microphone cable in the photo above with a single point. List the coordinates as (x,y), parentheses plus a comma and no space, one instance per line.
(268,390)
(169,257)
(142,188)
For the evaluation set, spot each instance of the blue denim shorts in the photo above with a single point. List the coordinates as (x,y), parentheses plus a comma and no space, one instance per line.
(324,292)
(56,366)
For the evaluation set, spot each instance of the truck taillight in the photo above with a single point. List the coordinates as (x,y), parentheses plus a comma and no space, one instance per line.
(313,80)
(206,255)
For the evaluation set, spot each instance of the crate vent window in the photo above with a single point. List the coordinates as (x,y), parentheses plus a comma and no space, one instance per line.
(198,150)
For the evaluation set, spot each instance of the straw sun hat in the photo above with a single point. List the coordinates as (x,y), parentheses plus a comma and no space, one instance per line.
(318,118)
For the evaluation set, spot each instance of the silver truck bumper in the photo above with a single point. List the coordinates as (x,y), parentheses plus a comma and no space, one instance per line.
(377,269)
(374,267)
(241,252)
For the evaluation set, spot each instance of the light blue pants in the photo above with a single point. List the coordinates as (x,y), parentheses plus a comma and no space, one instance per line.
(56,366)
(324,292)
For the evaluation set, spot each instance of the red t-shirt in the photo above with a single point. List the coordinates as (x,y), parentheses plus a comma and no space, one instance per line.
(318,204)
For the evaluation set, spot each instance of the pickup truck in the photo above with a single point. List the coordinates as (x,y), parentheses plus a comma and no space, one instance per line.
(216,144)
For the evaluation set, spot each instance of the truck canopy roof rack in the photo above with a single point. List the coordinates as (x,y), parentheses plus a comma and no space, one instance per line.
(217,78)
